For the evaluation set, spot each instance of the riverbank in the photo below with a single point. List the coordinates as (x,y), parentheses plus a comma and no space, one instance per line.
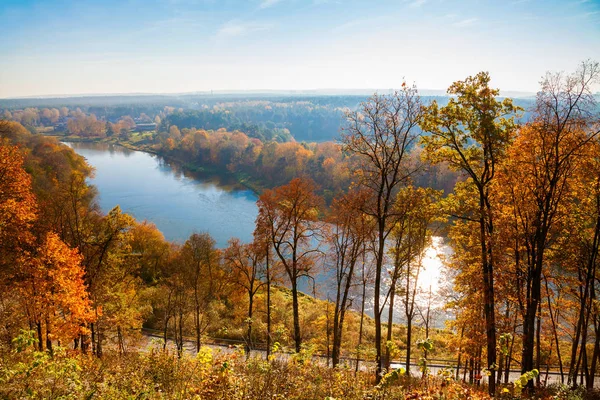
(142,145)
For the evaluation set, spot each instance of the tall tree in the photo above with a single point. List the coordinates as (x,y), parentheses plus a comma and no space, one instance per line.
(541,166)
(246,264)
(411,237)
(201,262)
(381,133)
(471,133)
(108,278)
(289,217)
(350,232)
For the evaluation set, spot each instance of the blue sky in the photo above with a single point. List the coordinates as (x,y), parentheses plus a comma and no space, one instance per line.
(155,46)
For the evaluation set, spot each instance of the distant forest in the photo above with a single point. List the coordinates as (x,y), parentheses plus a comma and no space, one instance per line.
(266,117)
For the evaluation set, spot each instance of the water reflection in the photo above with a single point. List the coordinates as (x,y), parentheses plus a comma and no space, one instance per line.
(178,202)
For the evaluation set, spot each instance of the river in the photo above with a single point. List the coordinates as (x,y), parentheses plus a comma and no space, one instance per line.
(179,203)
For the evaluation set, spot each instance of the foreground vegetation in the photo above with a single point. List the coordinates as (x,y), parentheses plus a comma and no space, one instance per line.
(154,373)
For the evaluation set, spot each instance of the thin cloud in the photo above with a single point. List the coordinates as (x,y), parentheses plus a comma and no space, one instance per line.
(237,28)
(417,3)
(585,16)
(465,22)
(268,3)
(361,22)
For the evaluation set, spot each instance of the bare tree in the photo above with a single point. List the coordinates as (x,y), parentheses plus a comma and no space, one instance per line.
(381,132)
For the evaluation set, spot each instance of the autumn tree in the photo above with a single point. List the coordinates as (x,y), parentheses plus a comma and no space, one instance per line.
(541,166)
(417,209)
(204,276)
(36,268)
(465,296)
(18,208)
(174,133)
(18,212)
(86,126)
(576,278)
(53,292)
(350,232)
(381,133)
(271,274)
(149,250)
(365,280)
(245,261)
(108,277)
(471,133)
(160,269)
(288,216)
(171,299)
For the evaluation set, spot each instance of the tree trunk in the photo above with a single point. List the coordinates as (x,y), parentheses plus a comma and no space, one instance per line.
(38,325)
(166,320)
(48,340)
(327,332)
(120,341)
(165,337)
(93,338)
(388,360)
(98,341)
(590,383)
(180,330)
(462,333)
(529,322)
(249,333)
(471,370)
(197,320)
(408,344)
(337,332)
(510,353)
(376,308)
(295,307)
(268,305)
(362,318)
(488,287)
(538,343)
(580,326)
(553,320)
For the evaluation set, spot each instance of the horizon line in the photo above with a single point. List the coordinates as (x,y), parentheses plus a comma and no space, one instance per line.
(321,91)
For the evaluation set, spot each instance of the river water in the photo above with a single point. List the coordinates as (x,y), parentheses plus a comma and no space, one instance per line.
(179,203)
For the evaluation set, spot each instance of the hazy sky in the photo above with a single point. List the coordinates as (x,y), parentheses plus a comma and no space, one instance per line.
(122,46)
